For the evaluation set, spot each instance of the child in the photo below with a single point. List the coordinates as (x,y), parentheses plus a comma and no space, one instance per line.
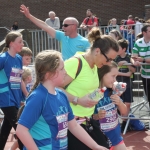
(125,75)
(47,115)
(27,78)
(106,109)
(10,83)
(115,34)
(26,54)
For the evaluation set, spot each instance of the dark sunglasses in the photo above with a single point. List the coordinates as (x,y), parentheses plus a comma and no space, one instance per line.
(66,25)
(107,59)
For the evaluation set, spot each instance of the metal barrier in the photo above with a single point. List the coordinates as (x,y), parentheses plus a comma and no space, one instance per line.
(139,108)
(42,41)
(5,28)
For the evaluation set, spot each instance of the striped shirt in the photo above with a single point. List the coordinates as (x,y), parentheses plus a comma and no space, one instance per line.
(143,50)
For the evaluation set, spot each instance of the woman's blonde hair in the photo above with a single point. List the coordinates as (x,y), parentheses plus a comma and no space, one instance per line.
(45,61)
(10,37)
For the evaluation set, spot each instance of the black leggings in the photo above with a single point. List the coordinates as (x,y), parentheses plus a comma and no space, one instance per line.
(146,84)
(97,135)
(10,120)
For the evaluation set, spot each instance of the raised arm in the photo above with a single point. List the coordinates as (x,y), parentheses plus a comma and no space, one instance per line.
(41,24)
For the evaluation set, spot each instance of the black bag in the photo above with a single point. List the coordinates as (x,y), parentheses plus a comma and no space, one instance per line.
(93,129)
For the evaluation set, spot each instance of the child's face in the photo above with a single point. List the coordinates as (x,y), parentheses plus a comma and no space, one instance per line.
(110,78)
(60,74)
(26,60)
(29,79)
(121,50)
(17,44)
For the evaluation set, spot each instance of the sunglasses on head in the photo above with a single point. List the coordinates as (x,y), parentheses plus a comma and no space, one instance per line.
(66,25)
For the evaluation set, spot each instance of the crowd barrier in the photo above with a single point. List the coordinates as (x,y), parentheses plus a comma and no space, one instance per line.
(42,41)
(140,106)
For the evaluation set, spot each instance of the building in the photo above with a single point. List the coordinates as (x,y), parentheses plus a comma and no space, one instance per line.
(104,9)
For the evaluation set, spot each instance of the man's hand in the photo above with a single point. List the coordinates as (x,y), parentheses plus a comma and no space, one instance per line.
(25,10)
(137,63)
(140,59)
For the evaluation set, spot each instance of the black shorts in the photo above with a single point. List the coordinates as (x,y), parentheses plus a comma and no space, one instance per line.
(96,134)
(127,96)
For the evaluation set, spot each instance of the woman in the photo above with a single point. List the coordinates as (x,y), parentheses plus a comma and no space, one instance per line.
(103,50)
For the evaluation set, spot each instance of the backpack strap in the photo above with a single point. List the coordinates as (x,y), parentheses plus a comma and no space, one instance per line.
(78,70)
(87,20)
(93,18)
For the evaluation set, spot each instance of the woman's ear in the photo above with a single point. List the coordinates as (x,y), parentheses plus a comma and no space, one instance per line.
(97,51)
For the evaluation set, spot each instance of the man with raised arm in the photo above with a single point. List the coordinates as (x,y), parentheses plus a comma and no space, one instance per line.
(71,41)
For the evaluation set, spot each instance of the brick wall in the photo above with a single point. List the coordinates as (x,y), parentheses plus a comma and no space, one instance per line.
(147,12)
(104,9)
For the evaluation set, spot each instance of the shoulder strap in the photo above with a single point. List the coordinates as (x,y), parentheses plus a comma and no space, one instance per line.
(93,19)
(79,66)
(87,19)
(78,70)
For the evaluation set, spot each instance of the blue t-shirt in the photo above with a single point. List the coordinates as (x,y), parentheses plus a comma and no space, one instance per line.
(46,116)
(110,124)
(69,46)
(10,80)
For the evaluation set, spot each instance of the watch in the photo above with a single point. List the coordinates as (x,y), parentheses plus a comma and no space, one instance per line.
(144,60)
(75,101)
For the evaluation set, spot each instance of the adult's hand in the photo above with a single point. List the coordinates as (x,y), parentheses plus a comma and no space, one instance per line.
(25,10)
(87,102)
(137,63)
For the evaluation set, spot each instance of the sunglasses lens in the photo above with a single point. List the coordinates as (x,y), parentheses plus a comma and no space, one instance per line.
(65,25)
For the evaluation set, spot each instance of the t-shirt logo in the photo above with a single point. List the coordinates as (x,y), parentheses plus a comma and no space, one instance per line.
(142,49)
(80,46)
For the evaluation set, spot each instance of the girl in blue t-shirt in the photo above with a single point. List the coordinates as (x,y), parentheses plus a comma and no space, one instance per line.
(106,109)
(47,115)
(10,83)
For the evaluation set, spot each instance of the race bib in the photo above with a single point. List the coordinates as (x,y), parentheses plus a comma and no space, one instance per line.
(111,119)
(15,78)
(62,125)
